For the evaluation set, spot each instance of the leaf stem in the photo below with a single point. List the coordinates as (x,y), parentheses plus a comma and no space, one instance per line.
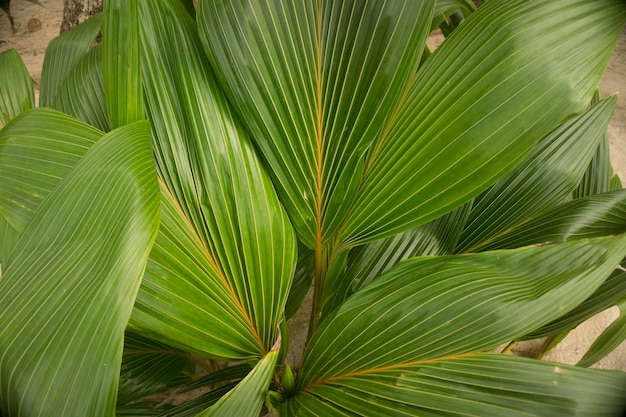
(321,270)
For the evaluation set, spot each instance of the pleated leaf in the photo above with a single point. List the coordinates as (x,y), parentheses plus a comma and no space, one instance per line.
(597,178)
(315,81)
(504,79)
(611,338)
(70,283)
(62,54)
(246,399)
(546,178)
(16,87)
(485,385)
(430,309)
(149,366)
(365,263)
(121,61)
(82,92)
(220,191)
(8,239)
(185,301)
(37,150)
(604,297)
(593,216)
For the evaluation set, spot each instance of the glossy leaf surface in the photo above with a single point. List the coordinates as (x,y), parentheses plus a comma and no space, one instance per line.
(70,283)
(121,61)
(308,80)
(63,53)
(545,179)
(486,385)
(244,248)
(37,150)
(464,124)
(434,309)
(16,87)
(82,92)
(246,399)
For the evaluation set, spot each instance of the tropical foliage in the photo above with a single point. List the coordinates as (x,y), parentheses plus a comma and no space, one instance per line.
(185,182)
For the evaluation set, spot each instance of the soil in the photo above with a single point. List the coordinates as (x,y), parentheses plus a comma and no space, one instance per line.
(36,25)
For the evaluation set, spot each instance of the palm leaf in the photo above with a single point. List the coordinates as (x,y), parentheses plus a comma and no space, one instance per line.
(432,311)
(486,385)
(149,366)
(246,399)
(121,61)
(610,338)
(545,179)
(607,295)
(34,155)
(464,123)
(63,53)
(244,249)
(308,81)
(365,263)
(70,283)
(82,92)
(16,87)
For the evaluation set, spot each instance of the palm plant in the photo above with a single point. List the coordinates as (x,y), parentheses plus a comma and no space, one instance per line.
(184,183)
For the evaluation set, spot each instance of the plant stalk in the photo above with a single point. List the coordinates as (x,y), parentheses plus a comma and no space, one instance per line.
(321,270)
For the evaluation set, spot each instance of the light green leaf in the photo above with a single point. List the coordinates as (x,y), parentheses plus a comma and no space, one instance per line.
(246,399)
(546,178)
(16,87)
(244,244)
(8,239)
(611,337)
(485,385)
(82,92)
(37,150)
(315,82)
(121,61)
(63,53)
(70,283)
(429,308)
(465,122)
(185,301)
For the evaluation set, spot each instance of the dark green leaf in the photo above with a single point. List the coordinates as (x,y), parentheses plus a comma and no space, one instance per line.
(485,385)
(246,399)
(604,297)
(610,338)
(149,366)
(302,279)
(365,263)
(593,216)
(546,178)
(222,196)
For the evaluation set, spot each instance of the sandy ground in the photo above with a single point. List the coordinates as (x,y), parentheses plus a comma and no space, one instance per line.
(31,44)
